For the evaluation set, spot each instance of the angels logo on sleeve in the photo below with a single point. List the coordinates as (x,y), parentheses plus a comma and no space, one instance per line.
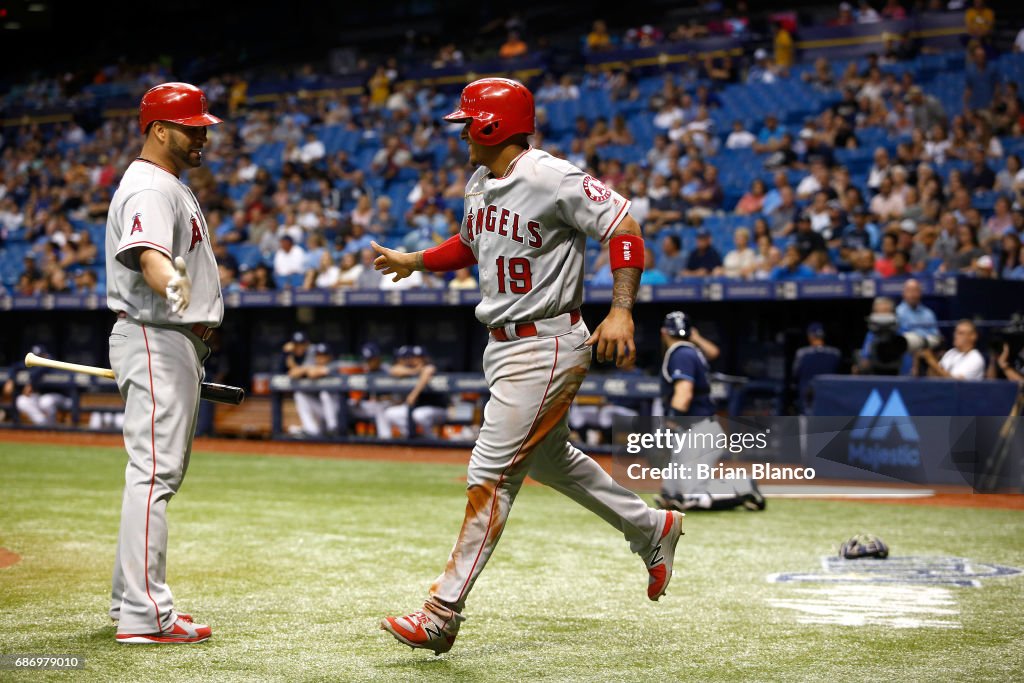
(595,189)
(136,224)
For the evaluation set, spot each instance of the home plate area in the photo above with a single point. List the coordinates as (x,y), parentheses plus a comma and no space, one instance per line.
(899,592)
(861,605)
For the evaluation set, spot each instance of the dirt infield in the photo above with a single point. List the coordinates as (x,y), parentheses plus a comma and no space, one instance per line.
(8,558)
(944,497)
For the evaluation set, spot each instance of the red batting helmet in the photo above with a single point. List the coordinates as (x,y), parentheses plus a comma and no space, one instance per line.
(175,102)
(497,108)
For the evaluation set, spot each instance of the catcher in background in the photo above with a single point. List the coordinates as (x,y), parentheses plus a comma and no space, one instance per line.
(686,392)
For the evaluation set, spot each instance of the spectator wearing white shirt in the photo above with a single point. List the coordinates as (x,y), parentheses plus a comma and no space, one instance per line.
(1011,177)
(937,144)
(548,92)
(866,14)
(740,260)
(815,182)
(349,270)
(567,90)
(739,138)
(463,280)
(418,280)
(701,132)
(659,152)
(290,258)
(887,205)
(312,150)
(669,115)
(880,169)
(247,170)
(963,361)
(325,276)
(821,218)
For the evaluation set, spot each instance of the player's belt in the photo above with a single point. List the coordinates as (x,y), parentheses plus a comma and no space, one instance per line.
(528,329)
(200,330)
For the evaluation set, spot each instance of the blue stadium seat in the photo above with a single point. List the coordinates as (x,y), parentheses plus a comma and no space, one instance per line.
(247,255)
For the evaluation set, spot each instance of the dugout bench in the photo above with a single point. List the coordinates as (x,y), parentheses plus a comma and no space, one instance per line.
(88,394)
(731,392)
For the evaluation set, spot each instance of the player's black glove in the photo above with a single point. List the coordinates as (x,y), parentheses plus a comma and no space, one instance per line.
(864,545)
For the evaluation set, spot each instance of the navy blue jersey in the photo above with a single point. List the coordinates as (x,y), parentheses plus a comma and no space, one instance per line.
(812,361)
(684,361)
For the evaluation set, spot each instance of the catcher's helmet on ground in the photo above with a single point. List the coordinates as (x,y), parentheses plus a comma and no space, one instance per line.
(677,324)
(180,103)
(497,108)
(864,545)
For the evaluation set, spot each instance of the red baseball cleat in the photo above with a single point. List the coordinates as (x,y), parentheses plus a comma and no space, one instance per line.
(419,630)
(181,631)
(659,561)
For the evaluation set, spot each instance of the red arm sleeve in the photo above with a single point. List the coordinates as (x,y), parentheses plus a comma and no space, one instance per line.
(451,254)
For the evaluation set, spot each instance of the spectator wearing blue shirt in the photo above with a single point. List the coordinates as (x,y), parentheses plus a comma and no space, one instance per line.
(792,267)
(773,197)
(704,258)
(651,274)
(672,260)
(762,71)
(602,270)
(859,234)
(914,316)
(770,137)
(817,358)
(315,248)
(916,319)
(982,78)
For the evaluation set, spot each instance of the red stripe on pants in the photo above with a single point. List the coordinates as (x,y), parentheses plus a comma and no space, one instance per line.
(152,478)
(501,478)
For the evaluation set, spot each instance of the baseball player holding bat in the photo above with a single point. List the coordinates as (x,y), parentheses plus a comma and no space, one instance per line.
(162,282)
(527,218)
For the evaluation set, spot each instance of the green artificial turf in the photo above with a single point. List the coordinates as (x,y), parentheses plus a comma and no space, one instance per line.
(293,561)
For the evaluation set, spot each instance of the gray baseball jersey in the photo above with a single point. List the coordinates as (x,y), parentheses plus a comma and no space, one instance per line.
(153,209)
(528,231)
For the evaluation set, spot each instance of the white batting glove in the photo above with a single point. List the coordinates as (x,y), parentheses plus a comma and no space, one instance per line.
(179,287)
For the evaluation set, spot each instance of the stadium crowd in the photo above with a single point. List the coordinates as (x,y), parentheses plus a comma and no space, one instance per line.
(884,180)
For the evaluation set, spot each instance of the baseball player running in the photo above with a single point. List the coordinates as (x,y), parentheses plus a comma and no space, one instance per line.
(527,217)
(162,282)
(686,392)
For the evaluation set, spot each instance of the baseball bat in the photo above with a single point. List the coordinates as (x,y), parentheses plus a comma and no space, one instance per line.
(218,393)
